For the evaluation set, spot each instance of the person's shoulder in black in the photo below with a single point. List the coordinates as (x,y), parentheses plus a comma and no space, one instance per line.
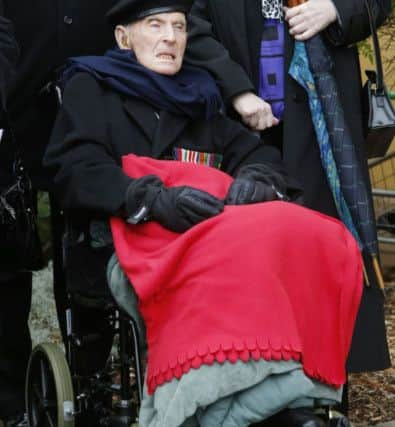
(8,56)
(48,32)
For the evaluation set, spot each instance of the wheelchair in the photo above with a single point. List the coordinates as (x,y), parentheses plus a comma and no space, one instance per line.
(64,389)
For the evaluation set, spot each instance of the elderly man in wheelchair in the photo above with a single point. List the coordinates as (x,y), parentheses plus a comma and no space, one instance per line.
(243,300)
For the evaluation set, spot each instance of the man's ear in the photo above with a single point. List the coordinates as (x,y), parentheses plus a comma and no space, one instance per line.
(122,37)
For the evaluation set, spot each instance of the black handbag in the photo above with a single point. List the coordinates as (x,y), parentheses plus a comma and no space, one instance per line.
(379,114)
(20,246)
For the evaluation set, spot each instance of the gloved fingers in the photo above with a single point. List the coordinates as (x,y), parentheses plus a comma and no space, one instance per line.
(192,217)
(240,192)
(181,225)
(142,192)
(299,200)
(264,193)
(173,221)
(270,179)
(245,191)
(199,205)
(180,208)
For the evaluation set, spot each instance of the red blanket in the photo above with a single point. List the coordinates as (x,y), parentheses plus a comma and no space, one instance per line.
(272,280)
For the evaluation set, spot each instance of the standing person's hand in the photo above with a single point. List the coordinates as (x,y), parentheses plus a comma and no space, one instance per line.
(310,18)
(254,111)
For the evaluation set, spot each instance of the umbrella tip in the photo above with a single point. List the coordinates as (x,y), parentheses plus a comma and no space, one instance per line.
(379,274)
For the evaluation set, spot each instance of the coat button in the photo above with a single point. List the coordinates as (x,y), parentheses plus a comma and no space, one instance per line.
(68,20)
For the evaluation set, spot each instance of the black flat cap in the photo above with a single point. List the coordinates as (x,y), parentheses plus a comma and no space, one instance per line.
(127,11)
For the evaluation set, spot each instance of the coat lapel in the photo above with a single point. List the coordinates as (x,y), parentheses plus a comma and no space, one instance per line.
(253,14)
(161,132)
(143,115)
(169,129)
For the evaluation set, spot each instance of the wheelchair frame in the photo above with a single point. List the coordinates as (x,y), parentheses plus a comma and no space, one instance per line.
(57,396)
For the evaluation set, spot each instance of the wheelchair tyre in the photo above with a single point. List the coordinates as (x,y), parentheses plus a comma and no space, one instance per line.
(49,389)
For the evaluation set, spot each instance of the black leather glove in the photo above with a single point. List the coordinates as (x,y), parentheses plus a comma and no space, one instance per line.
(175,208)
(246,191)
(256,183)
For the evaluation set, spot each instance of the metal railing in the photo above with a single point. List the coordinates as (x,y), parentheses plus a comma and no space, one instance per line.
(383,191)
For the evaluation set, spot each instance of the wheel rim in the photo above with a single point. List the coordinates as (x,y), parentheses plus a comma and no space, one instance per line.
(48,388)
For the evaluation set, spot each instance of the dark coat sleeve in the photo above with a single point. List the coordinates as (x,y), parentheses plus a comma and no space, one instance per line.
(9,53)
(353,24)
(206,52)
(87,175)
(241,147)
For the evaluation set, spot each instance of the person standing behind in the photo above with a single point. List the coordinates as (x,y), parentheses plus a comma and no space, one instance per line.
(8,57)
(9,52)
(241,34)
(48,32)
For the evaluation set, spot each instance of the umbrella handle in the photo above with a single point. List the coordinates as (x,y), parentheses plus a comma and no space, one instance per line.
(292,3)
(378,272)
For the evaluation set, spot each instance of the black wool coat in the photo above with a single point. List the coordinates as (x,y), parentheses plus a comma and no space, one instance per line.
(237,26)
(48,32)
(8,57)
(9,52)
(96,127)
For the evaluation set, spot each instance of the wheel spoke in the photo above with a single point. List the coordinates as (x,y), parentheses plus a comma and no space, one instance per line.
(37,393)
(49,419)
(38,418)
(46,368)
(44,378)
(42,408)
(36,406)
(50,404)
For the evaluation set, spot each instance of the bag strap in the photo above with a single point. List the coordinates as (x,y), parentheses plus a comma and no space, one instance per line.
(376,47)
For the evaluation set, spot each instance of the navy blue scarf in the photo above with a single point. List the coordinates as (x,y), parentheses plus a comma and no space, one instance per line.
(191,92)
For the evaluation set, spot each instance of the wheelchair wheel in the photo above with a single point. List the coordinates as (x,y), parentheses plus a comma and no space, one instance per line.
(49,389)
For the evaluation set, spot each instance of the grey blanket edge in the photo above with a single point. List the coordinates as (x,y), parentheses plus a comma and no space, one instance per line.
(221,395)
(233,395)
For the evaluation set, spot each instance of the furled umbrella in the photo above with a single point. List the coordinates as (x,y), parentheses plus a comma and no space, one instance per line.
(312,67)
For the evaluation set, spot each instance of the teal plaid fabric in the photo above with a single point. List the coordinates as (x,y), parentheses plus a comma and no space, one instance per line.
(300,71)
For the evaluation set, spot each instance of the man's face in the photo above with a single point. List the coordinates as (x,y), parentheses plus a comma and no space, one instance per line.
(159,41)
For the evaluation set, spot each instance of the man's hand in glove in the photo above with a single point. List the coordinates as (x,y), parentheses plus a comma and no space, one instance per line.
(256,183)
(176,208)
(245,191)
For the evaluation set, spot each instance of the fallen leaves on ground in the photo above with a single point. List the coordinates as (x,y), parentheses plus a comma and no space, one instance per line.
(372,395)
